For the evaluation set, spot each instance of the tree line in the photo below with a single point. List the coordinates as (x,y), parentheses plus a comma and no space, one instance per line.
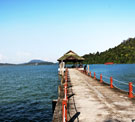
(121,54)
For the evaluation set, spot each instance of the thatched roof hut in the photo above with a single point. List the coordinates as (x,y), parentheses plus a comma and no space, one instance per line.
(70,56)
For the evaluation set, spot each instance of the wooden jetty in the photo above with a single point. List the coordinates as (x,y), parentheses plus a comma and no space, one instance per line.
(83,98)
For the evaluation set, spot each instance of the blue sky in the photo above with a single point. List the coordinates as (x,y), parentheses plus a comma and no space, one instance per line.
(46,29)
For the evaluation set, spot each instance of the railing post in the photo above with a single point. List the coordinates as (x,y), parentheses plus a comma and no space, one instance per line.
(94,75)
(130,90)
(101,78)
(64,110)
(65,91)
(90,74)
(111,82)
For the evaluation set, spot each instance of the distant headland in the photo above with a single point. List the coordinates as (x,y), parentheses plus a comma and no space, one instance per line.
(32,62)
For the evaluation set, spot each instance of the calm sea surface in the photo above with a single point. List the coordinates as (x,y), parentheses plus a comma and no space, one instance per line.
(26,92)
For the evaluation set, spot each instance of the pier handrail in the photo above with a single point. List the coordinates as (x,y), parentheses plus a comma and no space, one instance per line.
(64,110)
(112,83)
(64,101)
(120,81)
(107,77)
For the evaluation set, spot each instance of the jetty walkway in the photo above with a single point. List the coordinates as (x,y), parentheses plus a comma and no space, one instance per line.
(84,99)
(97,102)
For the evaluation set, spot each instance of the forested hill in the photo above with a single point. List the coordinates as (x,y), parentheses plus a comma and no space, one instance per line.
(123,53)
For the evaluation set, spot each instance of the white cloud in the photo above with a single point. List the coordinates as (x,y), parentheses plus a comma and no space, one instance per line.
(2,58)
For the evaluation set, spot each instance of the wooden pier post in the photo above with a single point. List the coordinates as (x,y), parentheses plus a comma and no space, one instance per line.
(54,102)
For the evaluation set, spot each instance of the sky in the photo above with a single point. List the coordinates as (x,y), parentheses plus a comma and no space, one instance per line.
(46,29)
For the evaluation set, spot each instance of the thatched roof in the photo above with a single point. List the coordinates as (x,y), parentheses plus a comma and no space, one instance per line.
(70,56)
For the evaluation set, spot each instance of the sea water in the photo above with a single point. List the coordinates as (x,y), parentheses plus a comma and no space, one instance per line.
(26,92)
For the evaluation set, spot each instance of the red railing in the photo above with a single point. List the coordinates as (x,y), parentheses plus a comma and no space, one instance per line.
(130,85)
(65,100)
